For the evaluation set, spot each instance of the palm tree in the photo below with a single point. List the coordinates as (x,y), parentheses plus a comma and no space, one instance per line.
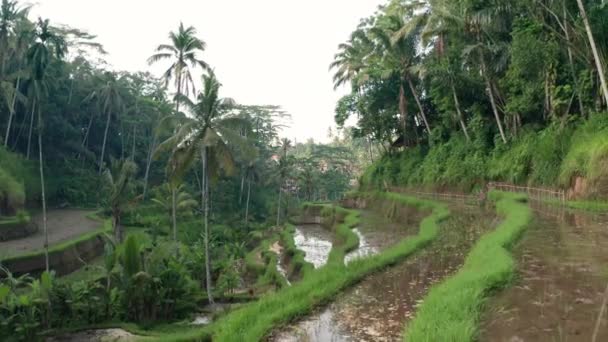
(183,52)
(596,56)
(110,100)
(118,178)
(15,29)
(283,170)
(208,136)
(39,56)
(173,198)
(398,56)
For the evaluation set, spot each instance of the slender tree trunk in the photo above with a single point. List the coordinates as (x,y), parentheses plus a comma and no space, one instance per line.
(43,194)
(403,111)
(579,95)
(371,153)
(173,212)
(11,113)
(491,96)
(422,113)
(242,188)
(247,204)
(149,163)
(86,135)
(29,136)
(596,56)
(105,139)
(279,206)
(179,91)
(205,202)
(133,147)
(460,116)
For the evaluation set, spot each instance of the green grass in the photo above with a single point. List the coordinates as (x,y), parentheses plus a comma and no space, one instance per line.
(451,310)
(254,321)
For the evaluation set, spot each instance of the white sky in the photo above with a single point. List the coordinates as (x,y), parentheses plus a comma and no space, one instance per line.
(263,51)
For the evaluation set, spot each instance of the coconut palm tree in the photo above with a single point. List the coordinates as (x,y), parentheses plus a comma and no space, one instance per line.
(183,53)
(118,182)
(110,100)
(283,170)
(207,136)
(173,198)
(46,45)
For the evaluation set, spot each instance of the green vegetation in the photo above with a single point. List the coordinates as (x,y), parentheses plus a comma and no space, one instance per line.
(298,267)
(553,156)
(255,320)
(451,310)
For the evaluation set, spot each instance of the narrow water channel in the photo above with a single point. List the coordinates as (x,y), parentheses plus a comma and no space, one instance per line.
(378,308)
(562,273)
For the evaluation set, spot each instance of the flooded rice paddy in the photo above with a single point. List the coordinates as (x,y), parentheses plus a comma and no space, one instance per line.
(562,273)
(378,308)
(315,241)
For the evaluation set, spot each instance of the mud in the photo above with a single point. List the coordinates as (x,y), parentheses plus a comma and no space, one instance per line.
(562,273)
(378,308)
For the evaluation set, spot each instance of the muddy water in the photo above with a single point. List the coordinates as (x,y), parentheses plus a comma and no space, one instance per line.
(562,273)
(315,242)
(378,308)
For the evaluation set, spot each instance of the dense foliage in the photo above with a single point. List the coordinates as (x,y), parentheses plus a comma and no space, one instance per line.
(477,90)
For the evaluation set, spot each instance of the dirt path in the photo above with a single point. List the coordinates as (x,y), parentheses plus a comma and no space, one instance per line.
(63,225)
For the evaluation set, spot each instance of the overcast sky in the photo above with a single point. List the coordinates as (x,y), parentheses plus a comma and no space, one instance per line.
(263,51)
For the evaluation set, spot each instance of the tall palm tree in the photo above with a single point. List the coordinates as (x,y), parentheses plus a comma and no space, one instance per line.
(596,56)
(172,198)
(118,180)
(207,136)
(183,53)
(398,55)
(283,170)
(15,37)
(39,56)
(110,100)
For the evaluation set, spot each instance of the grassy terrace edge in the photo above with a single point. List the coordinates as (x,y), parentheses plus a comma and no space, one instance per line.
(451,310)
(254,321)
(106,228)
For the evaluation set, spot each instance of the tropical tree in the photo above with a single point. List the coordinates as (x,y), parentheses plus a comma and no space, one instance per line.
(46,46)
(284,167)
(183,52)
(172,199)
(110,100)
(207,136)
(118,179)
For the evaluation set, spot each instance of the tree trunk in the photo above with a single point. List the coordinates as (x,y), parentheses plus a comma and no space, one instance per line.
(205,203)
(596,56)
(86,135)
(173,212)
(247,204)
(179,91)
(579,95)
(29,136)
(422,113)
(105,139)
(242,188)
(491,96)
(43,194)
(279,205)
(149,164)
(371,153)
(460,116)
(116,225)
(133,147)
(403,111)
(11,113)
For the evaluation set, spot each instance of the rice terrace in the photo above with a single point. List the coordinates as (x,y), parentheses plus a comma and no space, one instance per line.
(296,171)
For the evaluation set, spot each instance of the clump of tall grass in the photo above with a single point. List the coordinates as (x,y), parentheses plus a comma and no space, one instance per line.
(451,310)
